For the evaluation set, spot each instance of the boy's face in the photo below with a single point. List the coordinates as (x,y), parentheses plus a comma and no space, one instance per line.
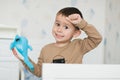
(63,30)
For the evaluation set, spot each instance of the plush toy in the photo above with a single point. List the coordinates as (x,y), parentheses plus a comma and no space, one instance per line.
(21,45)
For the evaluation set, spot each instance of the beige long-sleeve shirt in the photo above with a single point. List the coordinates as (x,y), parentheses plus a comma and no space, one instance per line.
(72,53)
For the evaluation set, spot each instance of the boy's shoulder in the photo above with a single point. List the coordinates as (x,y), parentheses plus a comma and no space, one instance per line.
(48,45)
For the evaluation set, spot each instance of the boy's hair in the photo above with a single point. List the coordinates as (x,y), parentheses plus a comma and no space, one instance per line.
(70,10)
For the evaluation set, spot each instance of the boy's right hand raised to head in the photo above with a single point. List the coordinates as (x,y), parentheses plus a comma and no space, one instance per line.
(75,19)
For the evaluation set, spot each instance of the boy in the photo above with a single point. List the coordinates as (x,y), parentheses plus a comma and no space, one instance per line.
(68,25)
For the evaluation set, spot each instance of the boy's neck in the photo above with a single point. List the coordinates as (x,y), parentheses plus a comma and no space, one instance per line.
(61,44)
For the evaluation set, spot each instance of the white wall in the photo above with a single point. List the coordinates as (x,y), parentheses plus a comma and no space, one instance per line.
(112,32)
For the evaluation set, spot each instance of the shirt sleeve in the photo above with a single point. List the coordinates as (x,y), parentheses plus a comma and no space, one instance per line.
(93,37)
(37,67)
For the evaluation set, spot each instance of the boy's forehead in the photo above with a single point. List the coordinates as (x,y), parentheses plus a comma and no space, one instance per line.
(60,15)
(61,18)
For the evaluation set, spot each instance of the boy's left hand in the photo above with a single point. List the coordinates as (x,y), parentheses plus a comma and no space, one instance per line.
(75,19)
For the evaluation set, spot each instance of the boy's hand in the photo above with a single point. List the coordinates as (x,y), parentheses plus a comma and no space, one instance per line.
(15,53)
(75,19)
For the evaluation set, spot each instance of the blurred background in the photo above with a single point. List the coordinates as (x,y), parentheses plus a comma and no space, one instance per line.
(34,19)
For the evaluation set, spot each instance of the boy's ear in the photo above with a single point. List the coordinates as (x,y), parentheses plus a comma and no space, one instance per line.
(77,33)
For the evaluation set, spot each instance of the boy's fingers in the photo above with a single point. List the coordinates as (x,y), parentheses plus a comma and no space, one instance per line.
(69,19)
(72,21)
(73,16)
(15,53)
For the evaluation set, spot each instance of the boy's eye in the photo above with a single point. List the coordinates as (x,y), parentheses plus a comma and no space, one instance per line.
(57,24)
(66,27)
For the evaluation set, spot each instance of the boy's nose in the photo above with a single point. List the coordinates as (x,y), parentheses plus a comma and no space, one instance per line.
(59,29)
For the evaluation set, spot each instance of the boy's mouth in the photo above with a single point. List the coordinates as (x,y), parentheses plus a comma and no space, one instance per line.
(58,35)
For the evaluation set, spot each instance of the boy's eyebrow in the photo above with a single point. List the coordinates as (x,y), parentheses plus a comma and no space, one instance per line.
(57,20)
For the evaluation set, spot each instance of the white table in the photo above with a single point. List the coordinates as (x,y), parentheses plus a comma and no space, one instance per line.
(80,72)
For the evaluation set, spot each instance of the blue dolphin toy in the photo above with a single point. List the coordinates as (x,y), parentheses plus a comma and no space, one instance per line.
(21,44)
